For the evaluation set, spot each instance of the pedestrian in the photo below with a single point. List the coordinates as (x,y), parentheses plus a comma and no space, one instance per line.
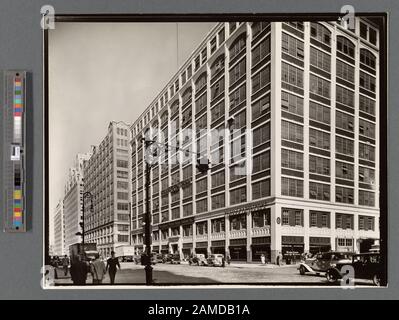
(112,263)
(228,258)
(97,269)
(279,258)
(263,259)
(78,271)
(65,265)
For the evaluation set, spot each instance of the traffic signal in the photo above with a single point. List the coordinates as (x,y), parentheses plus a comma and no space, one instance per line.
(203,164)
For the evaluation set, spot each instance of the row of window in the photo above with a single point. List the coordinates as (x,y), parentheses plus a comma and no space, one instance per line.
(319,165)
(319,191)
(294,132)
(322,219)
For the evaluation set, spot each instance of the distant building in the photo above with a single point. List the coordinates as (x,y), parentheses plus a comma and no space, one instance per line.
(107,176)
(59,236)
(305,99)
(73,202)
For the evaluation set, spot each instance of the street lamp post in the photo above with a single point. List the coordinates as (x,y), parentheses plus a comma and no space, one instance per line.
(147,222)
(82,223)
(202,166)
(147,226)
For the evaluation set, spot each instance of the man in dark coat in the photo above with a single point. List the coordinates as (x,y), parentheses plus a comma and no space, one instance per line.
(79,271)
(112,263)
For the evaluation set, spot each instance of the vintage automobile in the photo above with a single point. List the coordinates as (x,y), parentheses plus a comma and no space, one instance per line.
(173,258)
(198,259)
(365,266)
(216,260)
(321,262)
(126,259)
(156,258)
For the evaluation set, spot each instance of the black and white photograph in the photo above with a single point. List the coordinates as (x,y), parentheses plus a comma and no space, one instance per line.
(230,153)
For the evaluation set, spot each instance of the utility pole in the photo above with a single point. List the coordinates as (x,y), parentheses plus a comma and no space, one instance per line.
(202,166)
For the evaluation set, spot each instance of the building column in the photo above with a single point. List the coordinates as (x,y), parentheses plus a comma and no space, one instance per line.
(209,228)
(227,235)
(356,245)
(333,233)
(194,235)
(180,242)
(306,226)
(169,244)
(249,237)
(275,232)
(160,240)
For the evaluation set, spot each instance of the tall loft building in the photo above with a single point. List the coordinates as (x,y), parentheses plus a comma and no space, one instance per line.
(108,178)
(59,236)
(72,210)
(303,101)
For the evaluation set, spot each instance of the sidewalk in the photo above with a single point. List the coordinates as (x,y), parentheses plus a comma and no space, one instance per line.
(259,265)
(239,264)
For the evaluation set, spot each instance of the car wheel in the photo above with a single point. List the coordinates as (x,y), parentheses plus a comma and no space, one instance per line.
(331,277)
(302,270)
(377,280)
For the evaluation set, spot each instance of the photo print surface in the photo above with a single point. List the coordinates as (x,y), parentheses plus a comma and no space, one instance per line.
(215,153)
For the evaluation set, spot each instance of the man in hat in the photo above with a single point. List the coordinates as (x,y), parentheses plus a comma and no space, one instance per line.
(97,269)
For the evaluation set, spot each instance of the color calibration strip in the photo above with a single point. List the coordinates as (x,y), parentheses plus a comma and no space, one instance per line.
(13,116)
(18,108)
(17,221)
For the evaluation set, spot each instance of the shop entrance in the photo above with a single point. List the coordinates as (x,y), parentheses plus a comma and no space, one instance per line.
(218,250)
(238,253)
(292,247)
(365,245)
(319,244)
(175,248)
(201,251)
(186,253)
(258,250)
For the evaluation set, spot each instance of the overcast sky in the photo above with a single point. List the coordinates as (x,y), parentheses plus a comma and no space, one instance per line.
(103,72)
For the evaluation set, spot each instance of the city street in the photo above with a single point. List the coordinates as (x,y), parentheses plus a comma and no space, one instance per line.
(232,274)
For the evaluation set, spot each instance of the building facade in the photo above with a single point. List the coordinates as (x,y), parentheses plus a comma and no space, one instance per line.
(295,160)
(59,236)
(107,177)
(72,211)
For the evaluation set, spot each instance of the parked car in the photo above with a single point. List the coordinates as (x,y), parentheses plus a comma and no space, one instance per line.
(216,260)
(157,257)
(198,259)
(321,262)
(171,258)
(126,259)
(365,266)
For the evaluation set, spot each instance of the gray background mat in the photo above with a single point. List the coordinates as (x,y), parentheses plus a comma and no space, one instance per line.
(21,48)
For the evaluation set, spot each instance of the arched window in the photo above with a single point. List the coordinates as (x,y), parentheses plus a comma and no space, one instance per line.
(367,58)
(174,107)
(187,95)
(164,117)
(237,46)
(147,133)
(345,46)
(217,65)
(154,129)
(320,32)
(201,82)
